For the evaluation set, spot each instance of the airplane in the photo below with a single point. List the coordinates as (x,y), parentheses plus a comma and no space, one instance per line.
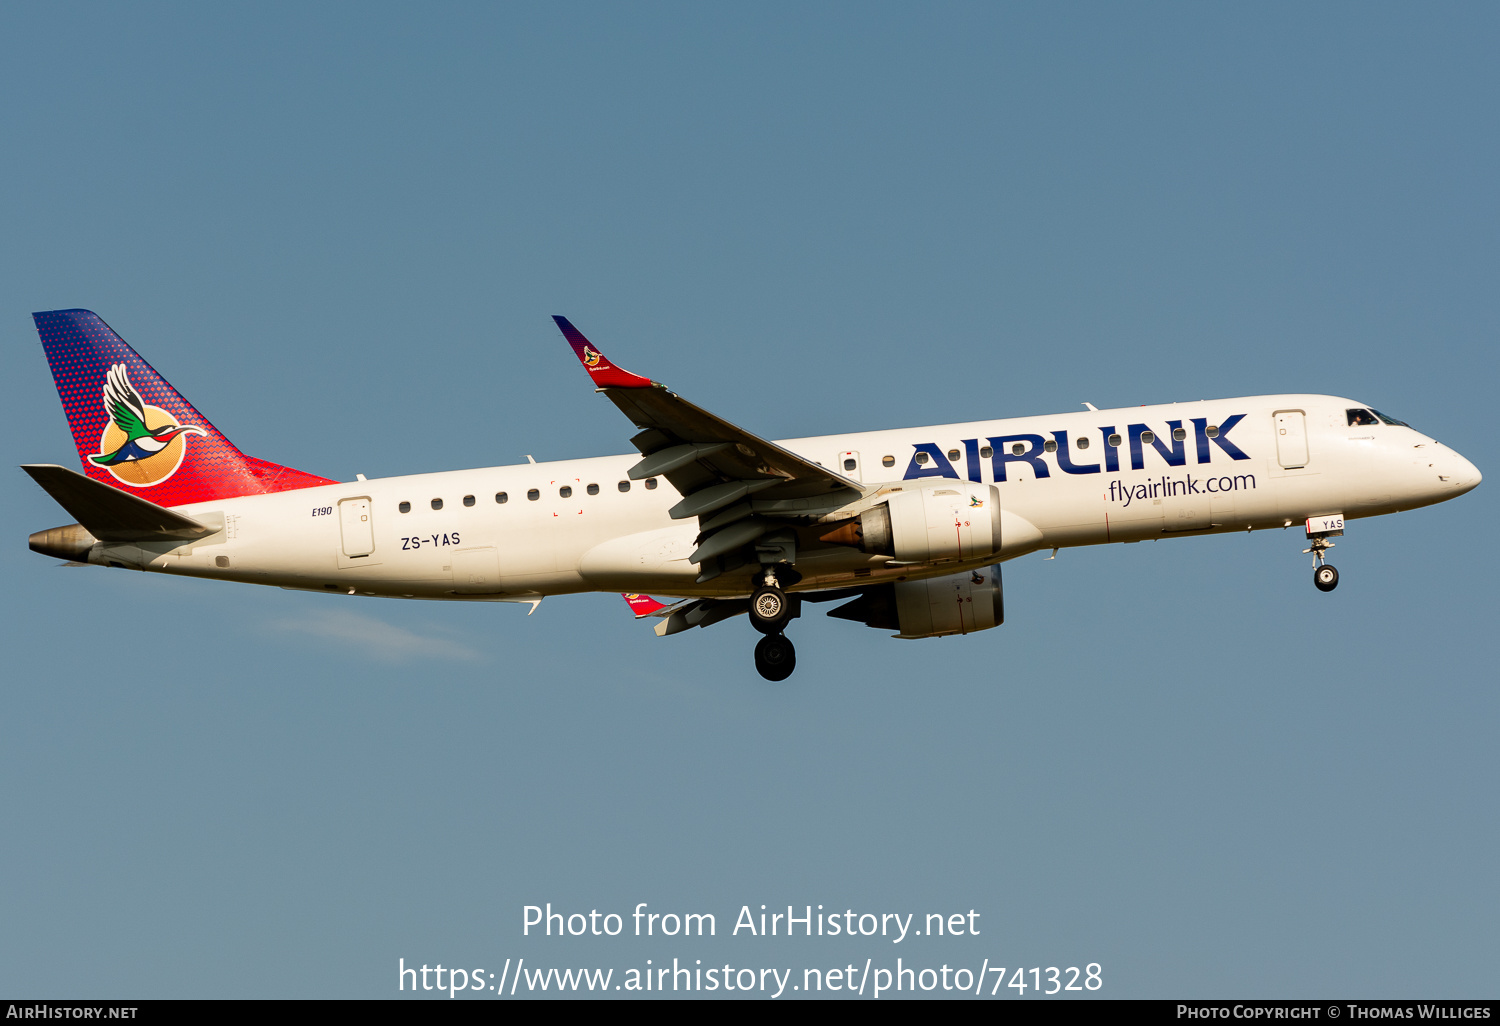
(908,527)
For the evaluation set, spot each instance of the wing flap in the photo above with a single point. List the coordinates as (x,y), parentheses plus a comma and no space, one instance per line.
(673,457)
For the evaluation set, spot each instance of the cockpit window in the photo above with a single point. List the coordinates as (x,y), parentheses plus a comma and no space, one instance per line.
(1359,418)
(1391,420)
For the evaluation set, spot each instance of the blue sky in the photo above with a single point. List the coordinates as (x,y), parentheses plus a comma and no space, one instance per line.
(340,233)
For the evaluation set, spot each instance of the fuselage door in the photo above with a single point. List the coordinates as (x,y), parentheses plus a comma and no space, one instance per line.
(357,529)
(848,465)
(1291,438)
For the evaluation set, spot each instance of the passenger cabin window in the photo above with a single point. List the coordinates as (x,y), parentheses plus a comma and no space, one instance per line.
(1179,434)
(1148,437)
(986,452)
(650,483)
(849,464)
(1050,445)
(501,497)
(592,489)
(887,461)
(953,455)
(1083,441)
(1018,448)
(1114,440)
(468,500)
(437,503)
(624,486)
(566,491)
(1360,418)
(1213,431)
(533,494)
(405,507)
(923,458)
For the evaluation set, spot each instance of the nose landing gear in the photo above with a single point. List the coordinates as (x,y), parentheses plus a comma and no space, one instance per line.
(1319,530)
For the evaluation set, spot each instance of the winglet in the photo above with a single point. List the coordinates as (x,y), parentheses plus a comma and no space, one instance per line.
(604,373)
(642,605)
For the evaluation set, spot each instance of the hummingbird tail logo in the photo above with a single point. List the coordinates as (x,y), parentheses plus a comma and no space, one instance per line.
(591,356)
(141,445)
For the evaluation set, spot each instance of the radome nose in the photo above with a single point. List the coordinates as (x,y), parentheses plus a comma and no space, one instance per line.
(1465,475)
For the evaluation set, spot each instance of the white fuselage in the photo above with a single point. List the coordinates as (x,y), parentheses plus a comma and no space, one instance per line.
(1298,457)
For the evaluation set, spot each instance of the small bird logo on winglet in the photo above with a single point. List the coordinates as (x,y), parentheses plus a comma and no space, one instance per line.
(142,445)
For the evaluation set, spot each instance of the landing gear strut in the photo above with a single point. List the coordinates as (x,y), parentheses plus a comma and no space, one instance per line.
(1325,576)
(775,657)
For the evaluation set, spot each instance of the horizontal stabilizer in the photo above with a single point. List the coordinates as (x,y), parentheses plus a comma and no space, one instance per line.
(110,514)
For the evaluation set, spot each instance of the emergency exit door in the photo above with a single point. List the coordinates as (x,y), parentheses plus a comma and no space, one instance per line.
(357,530)
(1291,438)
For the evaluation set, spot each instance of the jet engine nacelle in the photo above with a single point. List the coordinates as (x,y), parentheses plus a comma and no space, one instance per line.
(948,520)
(955,604)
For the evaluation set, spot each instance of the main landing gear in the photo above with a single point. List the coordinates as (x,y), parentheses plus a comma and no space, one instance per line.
(775,657)
(770,612)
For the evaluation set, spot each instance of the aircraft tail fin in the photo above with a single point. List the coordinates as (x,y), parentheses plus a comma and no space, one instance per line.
(135,432)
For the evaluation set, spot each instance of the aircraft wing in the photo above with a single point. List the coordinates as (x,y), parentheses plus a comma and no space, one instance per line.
(737,483)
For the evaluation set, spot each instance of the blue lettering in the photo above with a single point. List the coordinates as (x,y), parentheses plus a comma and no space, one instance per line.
(1200,433)
(1111,453)
(940,466)
(1224,443)
(1032,454)
(1170,448)
(1176,456)
(1065,462)
(971,454)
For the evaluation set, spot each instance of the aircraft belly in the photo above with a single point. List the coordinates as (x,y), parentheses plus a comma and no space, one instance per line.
(661,553)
